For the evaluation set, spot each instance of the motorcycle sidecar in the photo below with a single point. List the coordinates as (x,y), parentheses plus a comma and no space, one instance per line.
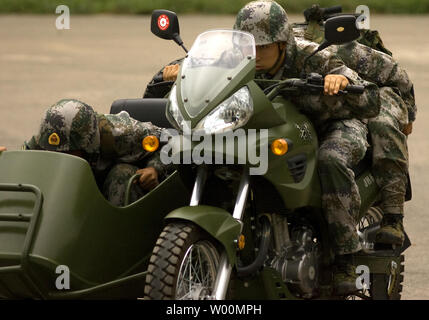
(52,214)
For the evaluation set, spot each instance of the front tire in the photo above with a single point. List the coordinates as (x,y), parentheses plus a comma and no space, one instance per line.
(184,264)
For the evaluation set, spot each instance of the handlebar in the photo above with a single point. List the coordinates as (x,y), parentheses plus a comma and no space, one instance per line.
(158,78)
(309,85)
(332,10)
(355,89)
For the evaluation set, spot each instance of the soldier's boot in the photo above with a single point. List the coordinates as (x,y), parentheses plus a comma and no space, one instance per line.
(344,275)
(392,230)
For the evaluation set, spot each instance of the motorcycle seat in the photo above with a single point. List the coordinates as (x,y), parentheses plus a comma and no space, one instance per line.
(144,110)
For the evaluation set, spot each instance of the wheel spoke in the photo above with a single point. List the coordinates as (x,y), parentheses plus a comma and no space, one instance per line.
(185,296)
(183,278)
(197,271)
(201,266)
(190,269)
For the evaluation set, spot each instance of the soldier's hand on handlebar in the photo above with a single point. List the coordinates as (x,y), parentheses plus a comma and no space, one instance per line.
(335,83)
(2,148)
(170,72)
(148,179)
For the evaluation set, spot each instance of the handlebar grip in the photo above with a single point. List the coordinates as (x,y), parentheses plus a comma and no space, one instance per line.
(158,78)
(355,89)
(332,10)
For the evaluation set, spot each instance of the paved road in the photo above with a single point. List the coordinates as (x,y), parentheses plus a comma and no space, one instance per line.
(103,58)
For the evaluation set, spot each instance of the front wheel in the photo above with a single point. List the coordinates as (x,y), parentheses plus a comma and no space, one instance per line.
(184,264)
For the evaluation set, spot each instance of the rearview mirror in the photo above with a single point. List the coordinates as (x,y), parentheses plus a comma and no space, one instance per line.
(338,30)
(341,29)
(165,24)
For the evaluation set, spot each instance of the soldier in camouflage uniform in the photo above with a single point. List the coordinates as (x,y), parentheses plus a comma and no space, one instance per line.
(111,144)
(339,120)
(388,130)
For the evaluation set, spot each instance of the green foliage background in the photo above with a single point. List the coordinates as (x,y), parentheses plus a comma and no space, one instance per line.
(202,6)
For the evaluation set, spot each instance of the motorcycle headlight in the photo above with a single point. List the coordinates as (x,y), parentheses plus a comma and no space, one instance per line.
(232,113)
(174,111)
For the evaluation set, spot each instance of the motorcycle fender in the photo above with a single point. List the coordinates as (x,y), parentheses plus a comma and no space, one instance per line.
(215,221)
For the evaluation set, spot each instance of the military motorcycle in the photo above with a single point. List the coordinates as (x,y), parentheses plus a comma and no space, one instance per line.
(256,236)
(208,231)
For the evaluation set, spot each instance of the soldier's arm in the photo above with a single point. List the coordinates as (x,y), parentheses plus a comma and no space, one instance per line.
(381,69)
(365,105)
(324,62)
(338,107)
(361,106)
(127,135)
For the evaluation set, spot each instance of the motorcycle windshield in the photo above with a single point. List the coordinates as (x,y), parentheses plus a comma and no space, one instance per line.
(215,57)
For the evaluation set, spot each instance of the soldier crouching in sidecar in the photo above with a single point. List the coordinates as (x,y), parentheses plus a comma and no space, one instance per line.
(53,214)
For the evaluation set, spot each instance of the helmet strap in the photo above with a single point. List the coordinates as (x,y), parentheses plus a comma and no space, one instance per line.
(280,60)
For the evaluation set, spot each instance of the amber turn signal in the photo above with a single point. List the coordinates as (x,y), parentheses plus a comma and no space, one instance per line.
(279,147)
(150,143)
(241,242)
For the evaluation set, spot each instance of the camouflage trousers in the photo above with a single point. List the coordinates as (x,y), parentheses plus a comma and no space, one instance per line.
(343,145)
(115,185)
(390,152)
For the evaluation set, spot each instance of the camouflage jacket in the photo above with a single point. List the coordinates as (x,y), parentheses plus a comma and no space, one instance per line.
(379,68)
(319,108)
(120,142)
(374,66)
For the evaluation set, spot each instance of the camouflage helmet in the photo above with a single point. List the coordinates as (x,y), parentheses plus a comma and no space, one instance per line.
(266,20)
(69,125)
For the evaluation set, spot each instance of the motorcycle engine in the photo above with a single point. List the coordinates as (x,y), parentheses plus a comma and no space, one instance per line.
(296,258)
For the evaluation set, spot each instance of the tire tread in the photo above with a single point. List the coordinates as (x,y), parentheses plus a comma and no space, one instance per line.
(163,263)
